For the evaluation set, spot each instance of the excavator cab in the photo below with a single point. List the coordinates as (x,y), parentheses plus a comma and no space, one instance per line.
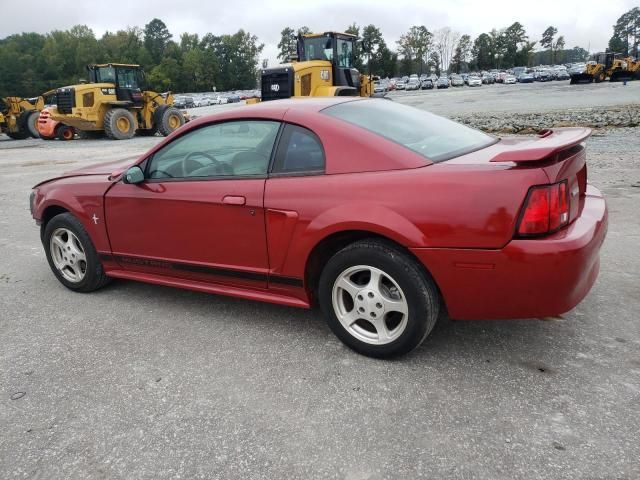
(336,48)
(322,67)
(605,59)
(127,79)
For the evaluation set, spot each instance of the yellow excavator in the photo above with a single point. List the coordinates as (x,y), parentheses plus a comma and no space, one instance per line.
(113,102)
(323,66)
(19,117)
(607,65)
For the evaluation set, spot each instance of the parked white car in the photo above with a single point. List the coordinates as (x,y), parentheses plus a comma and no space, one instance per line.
(414,84)
(474,81)
(510,79)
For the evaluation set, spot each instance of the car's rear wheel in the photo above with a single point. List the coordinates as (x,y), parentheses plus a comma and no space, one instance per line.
(71,254)
(377,299)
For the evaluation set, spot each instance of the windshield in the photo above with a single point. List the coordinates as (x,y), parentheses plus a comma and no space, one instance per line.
(433,137)
(318,48)
(127,78)
(106,75)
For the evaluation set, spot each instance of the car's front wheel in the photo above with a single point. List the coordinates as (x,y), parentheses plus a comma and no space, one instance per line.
(71,254)
(377,299)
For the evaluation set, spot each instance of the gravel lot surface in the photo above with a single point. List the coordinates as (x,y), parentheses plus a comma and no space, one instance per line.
(145,382)
(521,97)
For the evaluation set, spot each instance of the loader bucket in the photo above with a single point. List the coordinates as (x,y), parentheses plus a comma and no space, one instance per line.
(621,76)
(581,78)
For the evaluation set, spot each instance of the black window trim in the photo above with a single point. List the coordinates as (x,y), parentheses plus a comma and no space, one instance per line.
(147,161)
(303,173)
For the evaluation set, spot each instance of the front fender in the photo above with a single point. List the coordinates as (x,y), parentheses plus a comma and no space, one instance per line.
(83,198)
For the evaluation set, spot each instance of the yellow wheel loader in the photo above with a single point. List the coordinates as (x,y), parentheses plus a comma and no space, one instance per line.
(114,103)
(603,66)
(19,116)
(634,67)
(322,67)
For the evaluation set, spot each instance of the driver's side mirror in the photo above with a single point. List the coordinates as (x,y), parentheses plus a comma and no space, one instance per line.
(133,175)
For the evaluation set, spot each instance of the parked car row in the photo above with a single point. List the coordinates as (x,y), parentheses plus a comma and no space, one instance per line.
(194,100)
(541,73)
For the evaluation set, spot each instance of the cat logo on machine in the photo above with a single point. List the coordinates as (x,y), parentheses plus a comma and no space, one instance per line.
(275,87)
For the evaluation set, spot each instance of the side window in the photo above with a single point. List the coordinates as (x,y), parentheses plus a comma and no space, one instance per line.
(299,151)
(345,54)
(233,148)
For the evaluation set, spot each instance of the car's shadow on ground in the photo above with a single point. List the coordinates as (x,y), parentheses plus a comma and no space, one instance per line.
(531,344)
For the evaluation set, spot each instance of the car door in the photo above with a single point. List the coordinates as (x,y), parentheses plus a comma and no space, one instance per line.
(199,212)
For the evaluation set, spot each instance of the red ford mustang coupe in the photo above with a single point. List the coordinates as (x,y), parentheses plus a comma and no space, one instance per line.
(380,213)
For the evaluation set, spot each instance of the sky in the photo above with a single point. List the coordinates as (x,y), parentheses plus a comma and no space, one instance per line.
(585,23)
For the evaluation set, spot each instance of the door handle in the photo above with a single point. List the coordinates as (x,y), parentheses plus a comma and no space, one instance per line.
(234,200)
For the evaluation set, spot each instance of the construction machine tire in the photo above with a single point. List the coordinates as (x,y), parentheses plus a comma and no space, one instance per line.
(65,132)
(119,124)
(90,134)
(148,132)
(167,119)
(31,122)
(19,135)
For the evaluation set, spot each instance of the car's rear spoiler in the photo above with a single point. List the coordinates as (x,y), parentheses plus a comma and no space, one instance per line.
(547,143)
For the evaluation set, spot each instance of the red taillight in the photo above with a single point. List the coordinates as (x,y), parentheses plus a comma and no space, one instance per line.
(545,210)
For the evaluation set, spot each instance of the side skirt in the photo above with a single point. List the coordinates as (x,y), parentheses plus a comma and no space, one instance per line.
(248,294)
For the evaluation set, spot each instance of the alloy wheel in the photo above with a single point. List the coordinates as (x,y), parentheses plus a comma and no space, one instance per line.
(370,304)
(68,255)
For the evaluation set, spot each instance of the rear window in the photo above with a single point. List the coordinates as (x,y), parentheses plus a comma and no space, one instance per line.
(433,137)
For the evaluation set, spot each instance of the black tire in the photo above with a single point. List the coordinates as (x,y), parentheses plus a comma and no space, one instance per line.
(94,276)
(119,124)
(421,295)
(148,132)
(19,135)
(65,132)
(167,119)
(90,134)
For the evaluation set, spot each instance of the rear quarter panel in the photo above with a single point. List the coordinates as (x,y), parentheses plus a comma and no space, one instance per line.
(438,206)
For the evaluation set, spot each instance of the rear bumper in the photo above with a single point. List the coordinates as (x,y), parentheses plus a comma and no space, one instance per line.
(527,278)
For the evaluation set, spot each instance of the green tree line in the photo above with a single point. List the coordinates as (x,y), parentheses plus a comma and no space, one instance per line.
(626,34)
(33,63)
(421,50)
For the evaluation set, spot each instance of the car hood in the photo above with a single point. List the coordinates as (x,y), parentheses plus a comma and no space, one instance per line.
(111,169)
